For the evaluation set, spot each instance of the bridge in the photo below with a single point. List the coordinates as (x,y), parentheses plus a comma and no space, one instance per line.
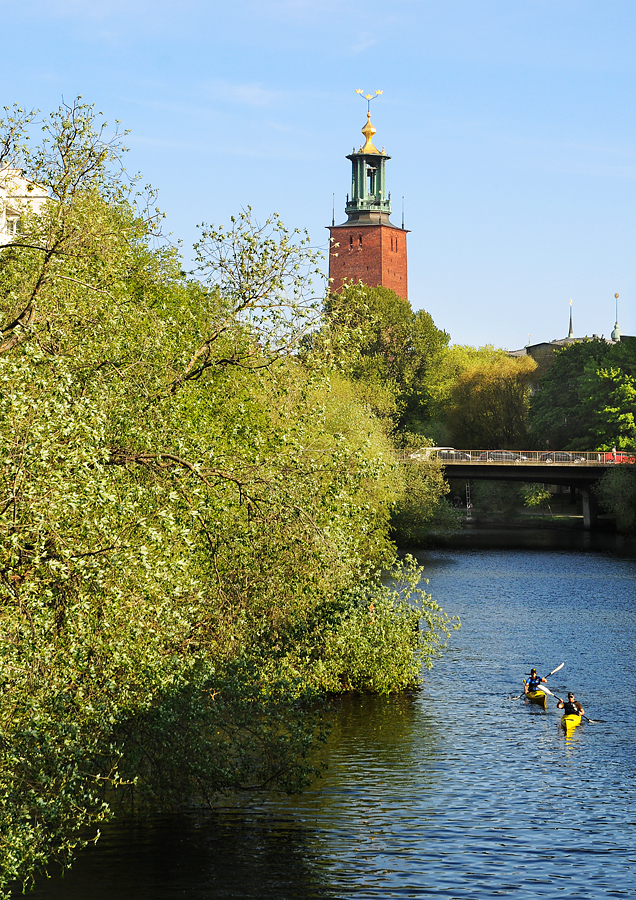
(579,469)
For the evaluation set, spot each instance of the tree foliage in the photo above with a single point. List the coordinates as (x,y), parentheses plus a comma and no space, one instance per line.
(374,336)
(586,399)
(488,403)
(192,520)
(441,379)
(371,338)
(617,492)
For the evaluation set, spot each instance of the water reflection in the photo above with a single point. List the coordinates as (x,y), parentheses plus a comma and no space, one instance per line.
(514,537)
(227,853)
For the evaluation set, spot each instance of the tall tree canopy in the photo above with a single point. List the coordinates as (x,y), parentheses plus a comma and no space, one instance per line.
(191,522)
(440,382)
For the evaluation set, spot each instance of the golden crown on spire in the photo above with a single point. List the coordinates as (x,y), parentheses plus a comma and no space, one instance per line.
(368,131)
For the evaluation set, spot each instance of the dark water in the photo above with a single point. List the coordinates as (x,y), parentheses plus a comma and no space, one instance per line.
(458,792)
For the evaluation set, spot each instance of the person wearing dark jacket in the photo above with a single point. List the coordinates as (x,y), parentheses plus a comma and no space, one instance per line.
(571,707)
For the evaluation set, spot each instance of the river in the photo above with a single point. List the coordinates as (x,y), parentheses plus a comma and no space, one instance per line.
(455,792)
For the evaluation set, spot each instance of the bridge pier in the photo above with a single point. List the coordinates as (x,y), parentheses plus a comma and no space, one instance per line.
(590,507)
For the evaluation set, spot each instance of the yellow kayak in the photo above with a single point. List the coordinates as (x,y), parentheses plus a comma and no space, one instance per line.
(570,723)
(538,697)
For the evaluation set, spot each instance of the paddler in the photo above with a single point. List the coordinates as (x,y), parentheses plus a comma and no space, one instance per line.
(571,707)
(533,682)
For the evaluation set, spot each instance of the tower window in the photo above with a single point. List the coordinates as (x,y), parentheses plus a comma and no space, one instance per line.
(371,171)
(360,241)
(350,242)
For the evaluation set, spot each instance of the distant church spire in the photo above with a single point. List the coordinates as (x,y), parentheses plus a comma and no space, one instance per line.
(570,332)
(616,334)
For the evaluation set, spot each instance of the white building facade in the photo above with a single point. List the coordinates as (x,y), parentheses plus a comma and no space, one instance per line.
(17,195)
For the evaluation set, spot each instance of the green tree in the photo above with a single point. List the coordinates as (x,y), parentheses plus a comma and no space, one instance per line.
(421,510)
(586,399)
(617,492)
(560,408)
(372,335)
(610,401)
(488,404)
(373,338)
(497,498)
(446,369)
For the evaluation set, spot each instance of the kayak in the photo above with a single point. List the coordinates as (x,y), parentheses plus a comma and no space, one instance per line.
(538,697)
(570,723)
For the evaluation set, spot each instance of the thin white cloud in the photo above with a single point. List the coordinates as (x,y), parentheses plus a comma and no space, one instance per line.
(250,94)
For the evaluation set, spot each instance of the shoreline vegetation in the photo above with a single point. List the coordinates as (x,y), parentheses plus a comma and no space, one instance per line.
(200,497)
(198,501)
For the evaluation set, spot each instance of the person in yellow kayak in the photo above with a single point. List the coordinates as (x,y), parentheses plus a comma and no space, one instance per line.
(533,682)
(571,707)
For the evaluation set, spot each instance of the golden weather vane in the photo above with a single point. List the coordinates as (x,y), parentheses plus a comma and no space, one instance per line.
(368,97)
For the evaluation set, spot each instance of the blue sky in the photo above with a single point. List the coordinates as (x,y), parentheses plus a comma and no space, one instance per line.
(510,124)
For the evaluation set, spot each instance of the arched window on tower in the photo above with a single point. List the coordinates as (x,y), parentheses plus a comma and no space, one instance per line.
(371,173)
(360,242)
(350,242)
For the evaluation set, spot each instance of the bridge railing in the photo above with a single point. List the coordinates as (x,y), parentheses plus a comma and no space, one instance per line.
(575,458)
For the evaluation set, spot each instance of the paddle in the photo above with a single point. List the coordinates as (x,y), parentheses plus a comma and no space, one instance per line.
(558,668)
(591,721)
(547,676)
(519,696)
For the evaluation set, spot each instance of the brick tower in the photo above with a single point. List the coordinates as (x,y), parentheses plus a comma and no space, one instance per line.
(368,247)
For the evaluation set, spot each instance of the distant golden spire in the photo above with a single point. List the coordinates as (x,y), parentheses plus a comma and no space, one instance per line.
(368,131)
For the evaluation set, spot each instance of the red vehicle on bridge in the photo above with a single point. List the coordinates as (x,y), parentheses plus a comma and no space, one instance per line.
(617,456)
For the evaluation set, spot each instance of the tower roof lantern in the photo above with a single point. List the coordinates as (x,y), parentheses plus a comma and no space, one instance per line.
(369,202)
